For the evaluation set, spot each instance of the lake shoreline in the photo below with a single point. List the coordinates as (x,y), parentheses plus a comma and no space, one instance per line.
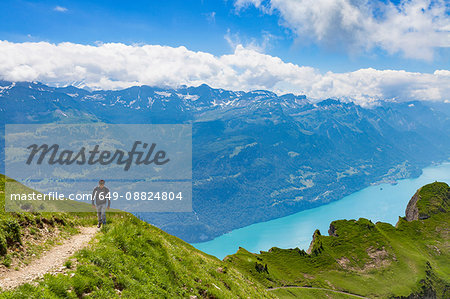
(267,234)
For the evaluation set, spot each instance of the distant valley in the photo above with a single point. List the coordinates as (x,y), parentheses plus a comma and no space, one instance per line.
(257,156)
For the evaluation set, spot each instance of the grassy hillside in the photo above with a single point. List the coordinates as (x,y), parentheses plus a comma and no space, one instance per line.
(128,258)
(360,257)
(310,293)
(23,236)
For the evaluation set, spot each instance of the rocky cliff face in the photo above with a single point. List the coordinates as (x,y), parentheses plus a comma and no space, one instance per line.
(316,244)
(412,212)
(428,200)
(332,230)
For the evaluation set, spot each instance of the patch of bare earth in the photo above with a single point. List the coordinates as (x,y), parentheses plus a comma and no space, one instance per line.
(378,258)
(34,241)
(51,261)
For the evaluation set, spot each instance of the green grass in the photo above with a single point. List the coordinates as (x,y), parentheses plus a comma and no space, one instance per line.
(14,187)
(128,258)
(309,294)
(373,260)
(25,235)
(433,199)
(134,259)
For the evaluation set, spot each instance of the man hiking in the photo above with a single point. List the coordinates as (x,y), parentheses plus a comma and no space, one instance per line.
(102,200)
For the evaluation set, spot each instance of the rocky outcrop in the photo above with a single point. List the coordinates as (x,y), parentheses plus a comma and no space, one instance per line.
(412,212)
(332,230)
(261,268)
(316,244)
(431,199)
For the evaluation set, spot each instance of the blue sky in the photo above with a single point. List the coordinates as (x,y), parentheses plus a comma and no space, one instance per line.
(360,50)
(208,26)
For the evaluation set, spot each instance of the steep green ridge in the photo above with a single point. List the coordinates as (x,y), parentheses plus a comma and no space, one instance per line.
(128,258)
(367,259)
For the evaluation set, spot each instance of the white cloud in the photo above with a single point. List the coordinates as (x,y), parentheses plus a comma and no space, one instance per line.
(414,28)
(265,42)
(240,4)
(60,9)
(115,65)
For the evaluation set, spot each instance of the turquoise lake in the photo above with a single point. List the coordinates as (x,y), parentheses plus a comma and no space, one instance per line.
(384,202)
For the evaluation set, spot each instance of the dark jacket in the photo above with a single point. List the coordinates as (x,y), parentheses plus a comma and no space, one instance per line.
(100,196)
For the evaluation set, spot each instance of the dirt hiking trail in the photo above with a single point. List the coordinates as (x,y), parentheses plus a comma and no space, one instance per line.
(51,260)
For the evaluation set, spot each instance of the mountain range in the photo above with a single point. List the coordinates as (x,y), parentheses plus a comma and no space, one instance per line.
(256,155)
